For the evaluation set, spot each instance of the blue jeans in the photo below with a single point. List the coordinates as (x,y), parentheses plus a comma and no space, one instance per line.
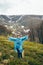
(19,53)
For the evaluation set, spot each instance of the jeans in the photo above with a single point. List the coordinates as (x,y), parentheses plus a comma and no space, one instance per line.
(19,53)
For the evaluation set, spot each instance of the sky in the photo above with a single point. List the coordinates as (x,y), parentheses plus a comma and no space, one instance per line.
(21,7)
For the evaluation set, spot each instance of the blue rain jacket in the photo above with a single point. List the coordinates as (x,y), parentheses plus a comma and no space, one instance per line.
(18,42)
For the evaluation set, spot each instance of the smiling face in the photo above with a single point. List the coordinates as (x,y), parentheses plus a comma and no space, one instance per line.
(18,36)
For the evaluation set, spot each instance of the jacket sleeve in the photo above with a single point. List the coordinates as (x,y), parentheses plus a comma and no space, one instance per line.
(12,39)
(15,47)
(24,38)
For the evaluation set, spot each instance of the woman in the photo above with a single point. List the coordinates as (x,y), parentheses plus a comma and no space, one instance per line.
(18,43)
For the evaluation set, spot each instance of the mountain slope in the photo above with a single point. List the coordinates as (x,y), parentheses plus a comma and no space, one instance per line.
(29,21)
(25,20)
(33,53)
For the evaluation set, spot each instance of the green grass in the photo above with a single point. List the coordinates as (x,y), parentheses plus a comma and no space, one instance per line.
(33,53)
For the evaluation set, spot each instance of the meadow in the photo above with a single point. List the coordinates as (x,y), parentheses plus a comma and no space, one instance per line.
(33,53)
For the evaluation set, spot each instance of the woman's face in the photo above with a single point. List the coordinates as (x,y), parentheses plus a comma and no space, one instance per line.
(19,36)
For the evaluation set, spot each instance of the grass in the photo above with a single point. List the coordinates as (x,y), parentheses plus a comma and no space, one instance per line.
(33,53)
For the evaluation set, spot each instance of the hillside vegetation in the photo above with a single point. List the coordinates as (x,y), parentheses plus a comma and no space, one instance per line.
(33,53)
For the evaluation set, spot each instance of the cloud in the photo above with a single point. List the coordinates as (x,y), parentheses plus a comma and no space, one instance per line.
(18,7)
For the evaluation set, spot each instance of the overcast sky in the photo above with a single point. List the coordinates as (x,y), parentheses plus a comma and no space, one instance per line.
(20,7)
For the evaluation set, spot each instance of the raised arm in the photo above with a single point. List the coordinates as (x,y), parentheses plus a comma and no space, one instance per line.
(12,39)
(24,38)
